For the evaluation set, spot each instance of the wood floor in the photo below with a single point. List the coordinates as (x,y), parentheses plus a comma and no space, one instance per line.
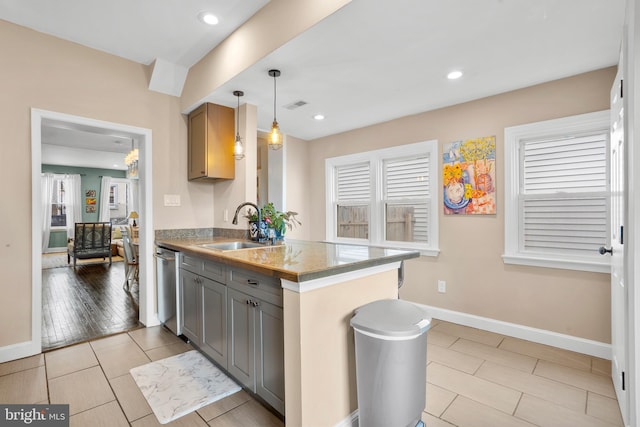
(86,303)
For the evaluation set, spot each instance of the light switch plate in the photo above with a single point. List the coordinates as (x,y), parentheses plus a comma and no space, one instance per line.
(172,200)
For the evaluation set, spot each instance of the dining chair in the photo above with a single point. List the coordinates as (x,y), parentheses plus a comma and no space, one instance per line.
(130,261)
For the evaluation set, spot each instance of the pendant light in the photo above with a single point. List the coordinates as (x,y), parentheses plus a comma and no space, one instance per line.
(238,148)
(275,136)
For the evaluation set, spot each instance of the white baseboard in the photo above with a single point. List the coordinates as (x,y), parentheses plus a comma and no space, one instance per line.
(350,421)
(541,336)
(18,351)
(55,250)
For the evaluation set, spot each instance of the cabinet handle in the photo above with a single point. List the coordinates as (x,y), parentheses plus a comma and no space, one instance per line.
(253,282)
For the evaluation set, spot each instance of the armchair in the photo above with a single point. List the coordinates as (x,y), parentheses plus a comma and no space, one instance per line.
(92,240)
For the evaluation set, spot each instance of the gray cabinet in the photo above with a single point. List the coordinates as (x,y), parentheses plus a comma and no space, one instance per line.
(214,321)
(256,328)
(191,305)
(203,311)
(240,333)
(269,354)
(235,316)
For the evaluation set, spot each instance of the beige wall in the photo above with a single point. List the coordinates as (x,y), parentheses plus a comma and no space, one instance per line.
(39,71)
(320,381)
(271,27)
(298,196)
(230,194)
(478,282)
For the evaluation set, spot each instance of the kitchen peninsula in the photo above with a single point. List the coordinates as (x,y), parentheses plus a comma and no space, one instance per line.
(321,285)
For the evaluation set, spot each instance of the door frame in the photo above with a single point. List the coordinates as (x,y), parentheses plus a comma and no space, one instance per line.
(631,100)
(147,313)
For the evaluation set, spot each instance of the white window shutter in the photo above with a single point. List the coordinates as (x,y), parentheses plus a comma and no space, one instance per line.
(565,165)
(407,184)
(353,183)
(564,198)
(353,198)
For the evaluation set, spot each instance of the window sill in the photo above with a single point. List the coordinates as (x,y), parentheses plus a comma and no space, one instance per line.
(541,261)
(430,252)
(423,252)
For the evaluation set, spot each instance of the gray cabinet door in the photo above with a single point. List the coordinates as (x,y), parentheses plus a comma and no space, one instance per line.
(240,327)
(269,343)
(190,287)
(214,320)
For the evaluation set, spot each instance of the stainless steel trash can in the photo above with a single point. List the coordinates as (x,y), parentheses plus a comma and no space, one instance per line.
(391,363)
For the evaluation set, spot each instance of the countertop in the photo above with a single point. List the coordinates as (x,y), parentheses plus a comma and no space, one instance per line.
(294,260)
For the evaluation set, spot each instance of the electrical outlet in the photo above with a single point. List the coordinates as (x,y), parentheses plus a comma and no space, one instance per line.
(442,286)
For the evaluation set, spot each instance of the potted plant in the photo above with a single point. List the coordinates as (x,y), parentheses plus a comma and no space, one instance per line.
(272,219)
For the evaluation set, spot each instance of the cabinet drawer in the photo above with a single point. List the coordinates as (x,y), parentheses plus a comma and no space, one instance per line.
(256,284)
(210,269)
(214,271)
(191,263)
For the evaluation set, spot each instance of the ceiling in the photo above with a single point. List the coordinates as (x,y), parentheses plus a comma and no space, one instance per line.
(370,62)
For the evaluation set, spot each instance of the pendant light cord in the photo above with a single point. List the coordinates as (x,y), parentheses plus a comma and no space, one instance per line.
(274,98)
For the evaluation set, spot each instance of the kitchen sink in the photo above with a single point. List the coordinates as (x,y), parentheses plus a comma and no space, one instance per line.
(231,246)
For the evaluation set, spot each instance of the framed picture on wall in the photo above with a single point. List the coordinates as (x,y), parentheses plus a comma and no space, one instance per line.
(469,177)
(91,209)
(90,193)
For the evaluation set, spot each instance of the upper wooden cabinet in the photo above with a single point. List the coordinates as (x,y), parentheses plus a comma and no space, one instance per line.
(211,138)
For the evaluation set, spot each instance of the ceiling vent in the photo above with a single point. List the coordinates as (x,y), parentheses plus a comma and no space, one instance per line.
(295,105)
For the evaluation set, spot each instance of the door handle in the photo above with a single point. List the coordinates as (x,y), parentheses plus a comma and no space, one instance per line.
(604,250)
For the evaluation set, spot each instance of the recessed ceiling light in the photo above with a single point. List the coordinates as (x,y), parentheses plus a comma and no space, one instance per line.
(208,18)
(454,75)
(318,116)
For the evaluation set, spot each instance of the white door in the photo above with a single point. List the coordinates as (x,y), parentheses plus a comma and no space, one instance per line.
(618,215)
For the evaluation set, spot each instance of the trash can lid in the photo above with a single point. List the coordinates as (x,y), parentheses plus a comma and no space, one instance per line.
(391,318)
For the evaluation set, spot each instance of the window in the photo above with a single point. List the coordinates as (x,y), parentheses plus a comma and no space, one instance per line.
(557,193)
(119,201)
(385,197)
(113,196)
(58,206)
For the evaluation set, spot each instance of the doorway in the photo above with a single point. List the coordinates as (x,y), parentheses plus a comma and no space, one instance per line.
(40,118)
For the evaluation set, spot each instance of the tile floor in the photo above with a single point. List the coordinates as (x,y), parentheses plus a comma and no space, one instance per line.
(474,379)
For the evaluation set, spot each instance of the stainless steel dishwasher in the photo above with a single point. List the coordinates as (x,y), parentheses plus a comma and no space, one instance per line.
(167,268)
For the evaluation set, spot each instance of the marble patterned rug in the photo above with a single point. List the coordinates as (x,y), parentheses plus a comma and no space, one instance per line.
(181,384)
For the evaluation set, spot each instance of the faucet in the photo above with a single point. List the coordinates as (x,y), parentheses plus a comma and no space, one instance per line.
(235,217)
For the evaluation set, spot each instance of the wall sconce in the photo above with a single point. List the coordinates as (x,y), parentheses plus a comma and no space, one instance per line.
(275,136)
(238,148)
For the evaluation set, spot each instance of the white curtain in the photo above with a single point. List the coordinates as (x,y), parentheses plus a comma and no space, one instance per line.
(105,210)
(48,180)
(73,202)
(132,196)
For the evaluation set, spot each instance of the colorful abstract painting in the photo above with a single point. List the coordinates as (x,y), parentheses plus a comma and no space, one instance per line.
(468,176)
